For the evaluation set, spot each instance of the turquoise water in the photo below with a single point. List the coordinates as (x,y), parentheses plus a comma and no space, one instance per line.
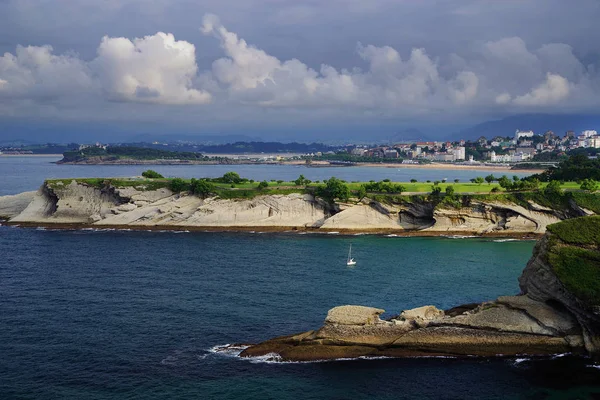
(136,315)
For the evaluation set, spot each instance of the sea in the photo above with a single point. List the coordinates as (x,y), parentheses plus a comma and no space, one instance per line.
(119,314)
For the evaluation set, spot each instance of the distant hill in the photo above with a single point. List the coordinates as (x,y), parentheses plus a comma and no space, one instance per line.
(190,138)
(539,123)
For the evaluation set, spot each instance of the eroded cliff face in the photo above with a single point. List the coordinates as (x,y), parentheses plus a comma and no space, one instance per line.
(78,203)
(558,311)
(571,282)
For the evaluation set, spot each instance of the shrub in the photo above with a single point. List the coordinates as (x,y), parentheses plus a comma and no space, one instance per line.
(413,181)
(553,187)
(450,190)
(150,174)
(231,177)
(589,185)
(177,185)
(263,185)
(201,187)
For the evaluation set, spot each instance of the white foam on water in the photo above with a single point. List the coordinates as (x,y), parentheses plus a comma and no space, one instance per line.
(40,228)
(521,360)
(460,237)
(391,235)
(333,233)
(505,240)
(596,366)
(228,349)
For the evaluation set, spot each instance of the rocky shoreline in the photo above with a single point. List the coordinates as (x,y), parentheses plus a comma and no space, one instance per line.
(80,205)
(548,317)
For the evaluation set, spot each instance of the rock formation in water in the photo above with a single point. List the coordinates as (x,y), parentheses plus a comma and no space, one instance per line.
(83,204)
(558,311)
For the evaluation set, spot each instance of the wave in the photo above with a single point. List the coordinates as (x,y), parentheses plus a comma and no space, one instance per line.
(234,351)
(392,235)
(460,236)
(333,233)
(228,349)
(505,240)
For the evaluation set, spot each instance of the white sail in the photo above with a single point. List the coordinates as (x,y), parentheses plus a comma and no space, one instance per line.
(350,259)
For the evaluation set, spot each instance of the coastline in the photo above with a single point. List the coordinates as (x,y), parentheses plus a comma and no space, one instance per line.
(438,166)
(276,229)
(31,155)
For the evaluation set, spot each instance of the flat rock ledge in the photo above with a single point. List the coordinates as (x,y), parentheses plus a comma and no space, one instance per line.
(508,326)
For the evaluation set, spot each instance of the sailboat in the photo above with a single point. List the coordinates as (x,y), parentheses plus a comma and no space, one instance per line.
(350,259)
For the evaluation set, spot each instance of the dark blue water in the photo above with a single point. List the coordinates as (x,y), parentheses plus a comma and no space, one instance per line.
(128,315)
(115,314)
(20,174)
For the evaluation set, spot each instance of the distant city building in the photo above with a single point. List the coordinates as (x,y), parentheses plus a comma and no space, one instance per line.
(589,134)
(459,153)
(523,134)
(390,153)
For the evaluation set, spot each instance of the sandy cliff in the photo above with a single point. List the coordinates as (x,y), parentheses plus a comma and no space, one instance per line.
(79,203)
(557,312)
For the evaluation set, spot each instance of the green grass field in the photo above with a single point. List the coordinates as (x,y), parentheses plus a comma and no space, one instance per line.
(417,188)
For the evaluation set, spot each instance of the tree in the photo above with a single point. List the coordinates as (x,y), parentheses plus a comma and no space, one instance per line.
(553,187)
(490,178)
(589,185)
(231,177)
(436,191)
(150,174)
(201,187)
(263,185)
(450,190)
(361,192)
(413,181)
(479,180)
(177,185)
(279,182)
(456,180)
(505,182)
(435,183)
(334,189)
(301,181)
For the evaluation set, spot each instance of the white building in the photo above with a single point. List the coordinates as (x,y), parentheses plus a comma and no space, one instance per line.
(517,157)
(523,134)
(589,134)
(459,153)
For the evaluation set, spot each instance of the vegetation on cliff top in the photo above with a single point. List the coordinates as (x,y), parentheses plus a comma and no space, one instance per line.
(578,231)
(578,268)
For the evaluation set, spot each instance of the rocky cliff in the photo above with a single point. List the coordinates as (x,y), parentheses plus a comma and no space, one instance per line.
(557,312)
(136,206)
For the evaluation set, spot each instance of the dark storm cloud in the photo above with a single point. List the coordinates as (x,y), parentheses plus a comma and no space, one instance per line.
(409,59)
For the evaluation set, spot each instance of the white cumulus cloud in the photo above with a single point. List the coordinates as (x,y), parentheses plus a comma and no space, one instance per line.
(159,69)
(153,69)
(34,72)
(553,90)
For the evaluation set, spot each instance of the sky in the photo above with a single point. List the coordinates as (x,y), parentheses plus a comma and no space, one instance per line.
(293,68)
